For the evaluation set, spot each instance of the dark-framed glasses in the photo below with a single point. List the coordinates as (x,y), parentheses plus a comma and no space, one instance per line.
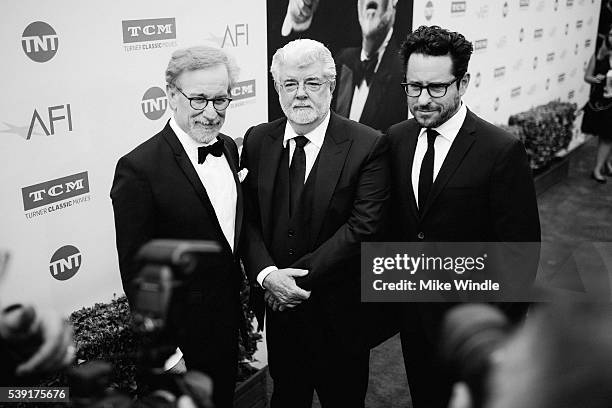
(435,90)
(312,85)
(200,103)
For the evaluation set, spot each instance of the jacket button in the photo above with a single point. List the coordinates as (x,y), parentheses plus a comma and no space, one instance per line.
(291,233)
(421,235)
(291,252)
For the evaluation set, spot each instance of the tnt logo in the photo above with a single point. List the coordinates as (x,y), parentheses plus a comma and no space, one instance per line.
(235,36)
(58,113)
(65,262)
(429,10)
(154,103)
(56,190)
(154,29)
(39,41)
(243,90)
(458,7)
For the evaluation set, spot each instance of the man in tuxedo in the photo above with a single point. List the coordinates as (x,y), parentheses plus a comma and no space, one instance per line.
(368,77)
(182,184)
(455,177)
(315,190)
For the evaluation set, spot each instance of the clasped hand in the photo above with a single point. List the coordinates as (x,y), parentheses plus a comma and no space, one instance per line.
(281,290)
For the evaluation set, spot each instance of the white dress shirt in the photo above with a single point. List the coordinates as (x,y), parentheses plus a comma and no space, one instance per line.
(447,133)
(360,94)
(311,150)
(218,180)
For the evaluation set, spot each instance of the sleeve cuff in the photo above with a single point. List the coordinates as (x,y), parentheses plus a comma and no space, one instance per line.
(265,272)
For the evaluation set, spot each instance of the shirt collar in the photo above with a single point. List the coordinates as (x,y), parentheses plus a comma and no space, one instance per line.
(451,127)
(189,144)
(381,49)
(315,136)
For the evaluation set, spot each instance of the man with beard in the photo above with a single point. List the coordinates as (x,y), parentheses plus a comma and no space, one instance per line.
(182,184)
(455,178)
(315,189)
(368,77)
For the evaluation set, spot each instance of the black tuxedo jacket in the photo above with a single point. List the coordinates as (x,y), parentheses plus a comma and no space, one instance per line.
(350,191)
(386,103)
(157,193)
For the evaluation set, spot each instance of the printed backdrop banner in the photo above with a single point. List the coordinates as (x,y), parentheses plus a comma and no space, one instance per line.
(526,52)
(83,85)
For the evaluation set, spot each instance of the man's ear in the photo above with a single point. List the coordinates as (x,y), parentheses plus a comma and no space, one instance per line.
(171,94)
(463,83)
(277,87)
(332,85)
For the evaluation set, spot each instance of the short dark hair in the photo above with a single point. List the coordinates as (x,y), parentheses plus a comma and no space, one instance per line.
(437,41)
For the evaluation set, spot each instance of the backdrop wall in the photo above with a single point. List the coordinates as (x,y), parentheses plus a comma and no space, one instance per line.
(84,84)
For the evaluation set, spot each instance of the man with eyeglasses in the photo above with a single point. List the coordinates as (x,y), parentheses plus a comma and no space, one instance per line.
(456,178)
(182,184)
(316,187)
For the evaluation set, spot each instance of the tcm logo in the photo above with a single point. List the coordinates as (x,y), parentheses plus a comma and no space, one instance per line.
(65,262)
(243,90)
(523,3)
(550,57)
(538,33)
(154,29)
(39,41)
(515,92)
(499,72)
(458,7)
(480,45)
(154,103)
(561,78)
(429,9)
(56,190)
(587,43)
(578,24)
(505,9)
(58,113)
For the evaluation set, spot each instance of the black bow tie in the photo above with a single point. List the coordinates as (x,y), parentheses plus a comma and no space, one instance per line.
(216,149)
(365,70)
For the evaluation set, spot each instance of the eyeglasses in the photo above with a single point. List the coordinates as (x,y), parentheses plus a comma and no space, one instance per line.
(200,103)
(435,90)
(312,85)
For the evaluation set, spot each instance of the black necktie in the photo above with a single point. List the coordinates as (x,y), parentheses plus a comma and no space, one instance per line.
(427,166)
(297,172)
(365,70)
(216,149)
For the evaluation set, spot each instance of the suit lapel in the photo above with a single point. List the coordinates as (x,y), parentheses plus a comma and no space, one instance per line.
(405,177)
(239,203)
(332,156)
(380,85)
(344,96)
(187,167)
(269,157)
(458,149)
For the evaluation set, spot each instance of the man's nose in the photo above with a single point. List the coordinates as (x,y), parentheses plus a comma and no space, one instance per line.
(424,98)
(301,91)
(209,111)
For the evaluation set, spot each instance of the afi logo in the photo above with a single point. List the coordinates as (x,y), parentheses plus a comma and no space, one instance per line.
(236,36)
(429,10)
(521,34)
(154,103)
(505,9)
(65,262)
(535,62)
(458,7)
(54,114)
(556,6)
(243,90)
(496,104)
(39,41)
(148,30)
(56,190)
